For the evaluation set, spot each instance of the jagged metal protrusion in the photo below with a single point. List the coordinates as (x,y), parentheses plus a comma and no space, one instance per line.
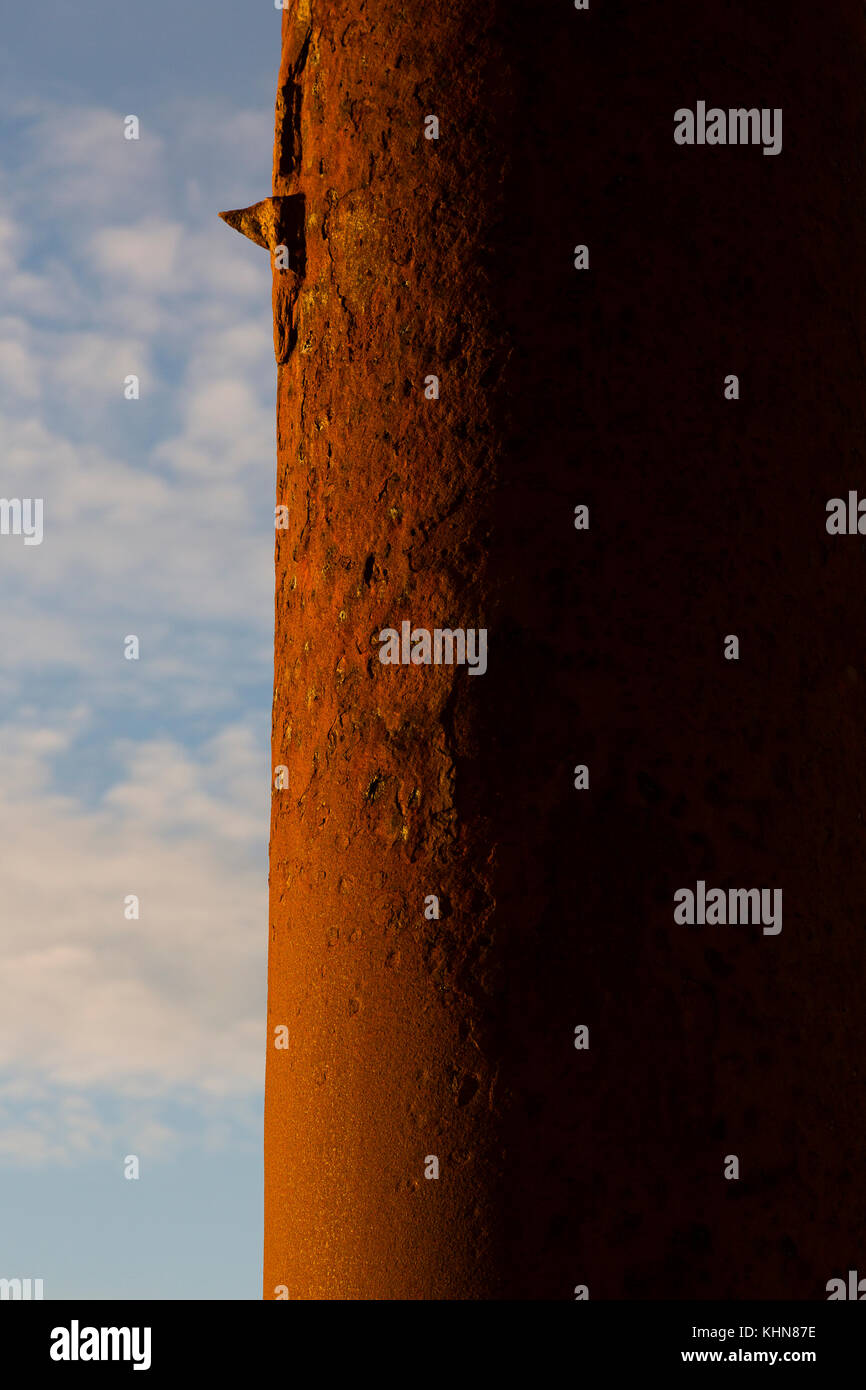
(272,223)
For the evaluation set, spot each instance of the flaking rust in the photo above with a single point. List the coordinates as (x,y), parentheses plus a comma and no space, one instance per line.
(278,223)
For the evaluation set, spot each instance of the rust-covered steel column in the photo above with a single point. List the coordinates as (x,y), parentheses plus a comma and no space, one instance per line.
(388,354)
(562,640)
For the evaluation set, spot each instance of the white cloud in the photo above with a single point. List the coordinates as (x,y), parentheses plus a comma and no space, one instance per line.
(41,1124)
(176,998)
(19,372)
(158,521)
(145,254)
(80,153)
(10,240)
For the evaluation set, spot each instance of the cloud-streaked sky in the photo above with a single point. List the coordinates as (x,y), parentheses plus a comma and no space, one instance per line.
(146,777)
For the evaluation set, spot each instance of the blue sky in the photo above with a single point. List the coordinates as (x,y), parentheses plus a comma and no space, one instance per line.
(148,777)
